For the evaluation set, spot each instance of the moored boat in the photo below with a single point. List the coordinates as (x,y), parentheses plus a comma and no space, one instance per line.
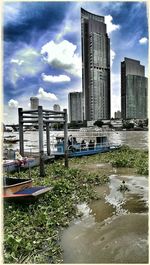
(10,141)
(15,189)
(10,165)
(84,148)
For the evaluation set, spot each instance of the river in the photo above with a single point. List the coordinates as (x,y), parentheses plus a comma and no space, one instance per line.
(113,229)
(135,139)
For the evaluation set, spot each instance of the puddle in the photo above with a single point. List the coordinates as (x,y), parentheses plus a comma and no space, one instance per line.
(113,229)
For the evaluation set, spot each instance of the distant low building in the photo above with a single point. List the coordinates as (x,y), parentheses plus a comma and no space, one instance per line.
(117,114)
(117,123)
(34,101)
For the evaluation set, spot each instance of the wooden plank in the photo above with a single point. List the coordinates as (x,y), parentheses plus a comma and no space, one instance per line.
(53,112)
(30,121)
(30,111)
(21,138)
(53,121)
(66,138)
(48,139)
(41,149)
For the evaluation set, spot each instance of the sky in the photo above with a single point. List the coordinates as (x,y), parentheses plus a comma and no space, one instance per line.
(42,50)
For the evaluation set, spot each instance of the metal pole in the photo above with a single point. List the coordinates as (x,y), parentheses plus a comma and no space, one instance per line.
(65,138)
(41,151)
(48,139)
(21,141)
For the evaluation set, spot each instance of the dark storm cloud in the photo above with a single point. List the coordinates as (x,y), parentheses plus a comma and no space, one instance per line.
(34,18)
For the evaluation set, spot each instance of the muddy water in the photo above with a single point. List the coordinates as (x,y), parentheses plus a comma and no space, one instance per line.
(113,229)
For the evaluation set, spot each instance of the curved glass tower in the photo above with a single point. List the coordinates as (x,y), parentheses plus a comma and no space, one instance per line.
(95,66)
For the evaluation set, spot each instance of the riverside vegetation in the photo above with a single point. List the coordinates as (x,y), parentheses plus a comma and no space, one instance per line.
(32,232)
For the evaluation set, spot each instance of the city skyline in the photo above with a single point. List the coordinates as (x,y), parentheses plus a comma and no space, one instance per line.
(42,49)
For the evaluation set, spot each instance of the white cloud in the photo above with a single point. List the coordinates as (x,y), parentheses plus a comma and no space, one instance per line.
(16,61)
(66,28)
(110,26)
(46,95)
(11,12)
(62,55)
(55,79)
(143,40)
(26,62)
(13,104)
(112,57)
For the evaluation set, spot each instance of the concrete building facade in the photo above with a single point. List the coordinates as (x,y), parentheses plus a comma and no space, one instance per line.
(75,105)
(34,103)
(133,90)
(95,66)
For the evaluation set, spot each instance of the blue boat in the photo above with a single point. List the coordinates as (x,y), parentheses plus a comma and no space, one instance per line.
(76,149)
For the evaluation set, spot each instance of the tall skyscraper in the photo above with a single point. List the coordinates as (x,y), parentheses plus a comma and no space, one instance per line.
(56,107)
(75,104)
(34,101)
(95,66)
(133,90)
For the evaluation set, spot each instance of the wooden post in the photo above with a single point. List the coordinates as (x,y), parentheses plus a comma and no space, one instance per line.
(41,151)
(48,139)
(65,138)
(21,140)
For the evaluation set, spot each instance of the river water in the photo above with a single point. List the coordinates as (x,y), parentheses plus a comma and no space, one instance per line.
(135,139)
(113,229)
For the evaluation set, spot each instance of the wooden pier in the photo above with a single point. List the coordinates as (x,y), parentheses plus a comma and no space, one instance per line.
(43,118)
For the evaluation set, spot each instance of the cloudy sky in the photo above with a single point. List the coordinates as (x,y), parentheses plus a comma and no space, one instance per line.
(42,49)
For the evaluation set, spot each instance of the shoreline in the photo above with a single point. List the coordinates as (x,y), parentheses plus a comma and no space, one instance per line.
(34,230)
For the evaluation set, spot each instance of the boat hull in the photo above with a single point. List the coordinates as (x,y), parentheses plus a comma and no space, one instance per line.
(13,165)
(88,152)
(26,195)
(12,185)
(21,190)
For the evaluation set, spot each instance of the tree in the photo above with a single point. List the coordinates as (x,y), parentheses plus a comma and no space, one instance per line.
(128,125)
(98,123)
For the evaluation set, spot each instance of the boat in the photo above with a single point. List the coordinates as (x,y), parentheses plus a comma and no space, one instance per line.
(76,149)
(10,141)
(11,165)
(17,190)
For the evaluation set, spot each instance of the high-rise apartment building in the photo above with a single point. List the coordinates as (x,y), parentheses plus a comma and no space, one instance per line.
(95,66)
(56,107)
(75,104)
(34,102)
(133,90)
(117,114)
